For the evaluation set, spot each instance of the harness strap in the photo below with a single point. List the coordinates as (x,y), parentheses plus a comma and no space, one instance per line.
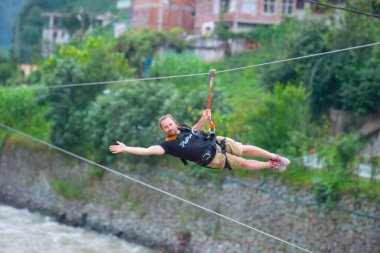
(211,80)
(223,147)
(184,161)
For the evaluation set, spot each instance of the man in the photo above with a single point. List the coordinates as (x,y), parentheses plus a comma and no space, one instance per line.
(209,151)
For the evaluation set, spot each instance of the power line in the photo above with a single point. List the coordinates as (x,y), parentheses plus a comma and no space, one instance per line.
(147,185)
(344,9)
(200,74)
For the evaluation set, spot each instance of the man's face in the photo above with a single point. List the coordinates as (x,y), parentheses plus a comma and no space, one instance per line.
(169,127)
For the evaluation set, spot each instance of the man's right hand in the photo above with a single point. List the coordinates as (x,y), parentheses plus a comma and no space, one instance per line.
(117,148)
(207,114)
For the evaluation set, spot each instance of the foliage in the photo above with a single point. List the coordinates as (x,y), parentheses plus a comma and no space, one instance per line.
(7,69)
(340,157)
(126,114)
(332,80)
(76,22)
(67,189)
(67,106)
(340,153)
(32,21)
(192,93)
(325,193)
(277,121)
(140,47)
(19,109)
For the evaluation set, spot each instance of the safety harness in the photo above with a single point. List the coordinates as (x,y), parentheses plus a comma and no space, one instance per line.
(209,155)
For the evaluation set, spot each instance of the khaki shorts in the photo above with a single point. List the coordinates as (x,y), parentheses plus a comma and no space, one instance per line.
(234,151)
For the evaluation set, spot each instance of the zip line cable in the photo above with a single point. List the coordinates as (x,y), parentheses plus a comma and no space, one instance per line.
(303,57)
(148,185)
(202,74)
(344,9)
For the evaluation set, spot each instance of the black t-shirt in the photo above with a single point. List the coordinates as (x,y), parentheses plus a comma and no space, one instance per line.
(188,145)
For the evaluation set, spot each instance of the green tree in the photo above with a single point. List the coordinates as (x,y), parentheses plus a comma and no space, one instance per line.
(19,108)
(128,114)
(277,121)
(94,62)
(76,23)
(7,69)
(333,80)
(142,45)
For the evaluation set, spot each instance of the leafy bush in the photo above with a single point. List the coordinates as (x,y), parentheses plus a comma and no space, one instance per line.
(325,193)
(129,115)
(67,189)
(91,62)
(19,109)
(277,121)
(345,80)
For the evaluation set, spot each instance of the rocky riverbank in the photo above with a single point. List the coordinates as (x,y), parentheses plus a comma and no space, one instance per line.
(43,180)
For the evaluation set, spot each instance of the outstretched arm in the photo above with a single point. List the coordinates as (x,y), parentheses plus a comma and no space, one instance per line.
(202,121)
(121,147)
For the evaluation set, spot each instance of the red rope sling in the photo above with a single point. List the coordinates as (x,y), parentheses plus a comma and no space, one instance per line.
(212,75)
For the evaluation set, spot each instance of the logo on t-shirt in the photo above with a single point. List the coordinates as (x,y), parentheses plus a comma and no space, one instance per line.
(184,142)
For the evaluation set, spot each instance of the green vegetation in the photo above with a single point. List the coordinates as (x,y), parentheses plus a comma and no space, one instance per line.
(32,21)
(67,189)
(280,107)
(20,109)
(135,203)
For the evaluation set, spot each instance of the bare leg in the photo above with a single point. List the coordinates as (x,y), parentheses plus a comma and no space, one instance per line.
(254,165)
(250,150)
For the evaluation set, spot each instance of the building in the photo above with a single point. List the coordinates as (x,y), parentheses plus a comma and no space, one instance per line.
(163,15)
(240,15)
(124,6)
(53,34)
(27,69)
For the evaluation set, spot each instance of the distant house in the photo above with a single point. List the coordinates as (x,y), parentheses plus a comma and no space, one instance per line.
(124,6)
(240,15)
(162,15)
(27,69)
(53,34)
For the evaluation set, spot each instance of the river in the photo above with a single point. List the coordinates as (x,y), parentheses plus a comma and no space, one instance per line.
(24,232)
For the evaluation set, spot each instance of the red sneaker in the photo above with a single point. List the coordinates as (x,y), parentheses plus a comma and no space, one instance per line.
(279,164)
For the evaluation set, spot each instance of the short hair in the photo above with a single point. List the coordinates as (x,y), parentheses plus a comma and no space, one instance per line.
(165,117)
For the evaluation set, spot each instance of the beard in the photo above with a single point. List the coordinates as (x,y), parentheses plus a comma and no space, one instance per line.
(171,133)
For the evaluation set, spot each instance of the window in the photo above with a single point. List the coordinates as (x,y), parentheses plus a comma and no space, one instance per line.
(269,6)
(287,7)
(249,6)
(299,4)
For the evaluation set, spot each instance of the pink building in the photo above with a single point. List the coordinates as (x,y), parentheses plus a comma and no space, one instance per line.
(162,15)
(200,16)
(241,15)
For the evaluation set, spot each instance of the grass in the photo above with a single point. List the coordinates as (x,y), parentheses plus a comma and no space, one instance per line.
(67,189)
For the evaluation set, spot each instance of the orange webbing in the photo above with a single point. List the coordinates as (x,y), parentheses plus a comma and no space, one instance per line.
(211,79)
